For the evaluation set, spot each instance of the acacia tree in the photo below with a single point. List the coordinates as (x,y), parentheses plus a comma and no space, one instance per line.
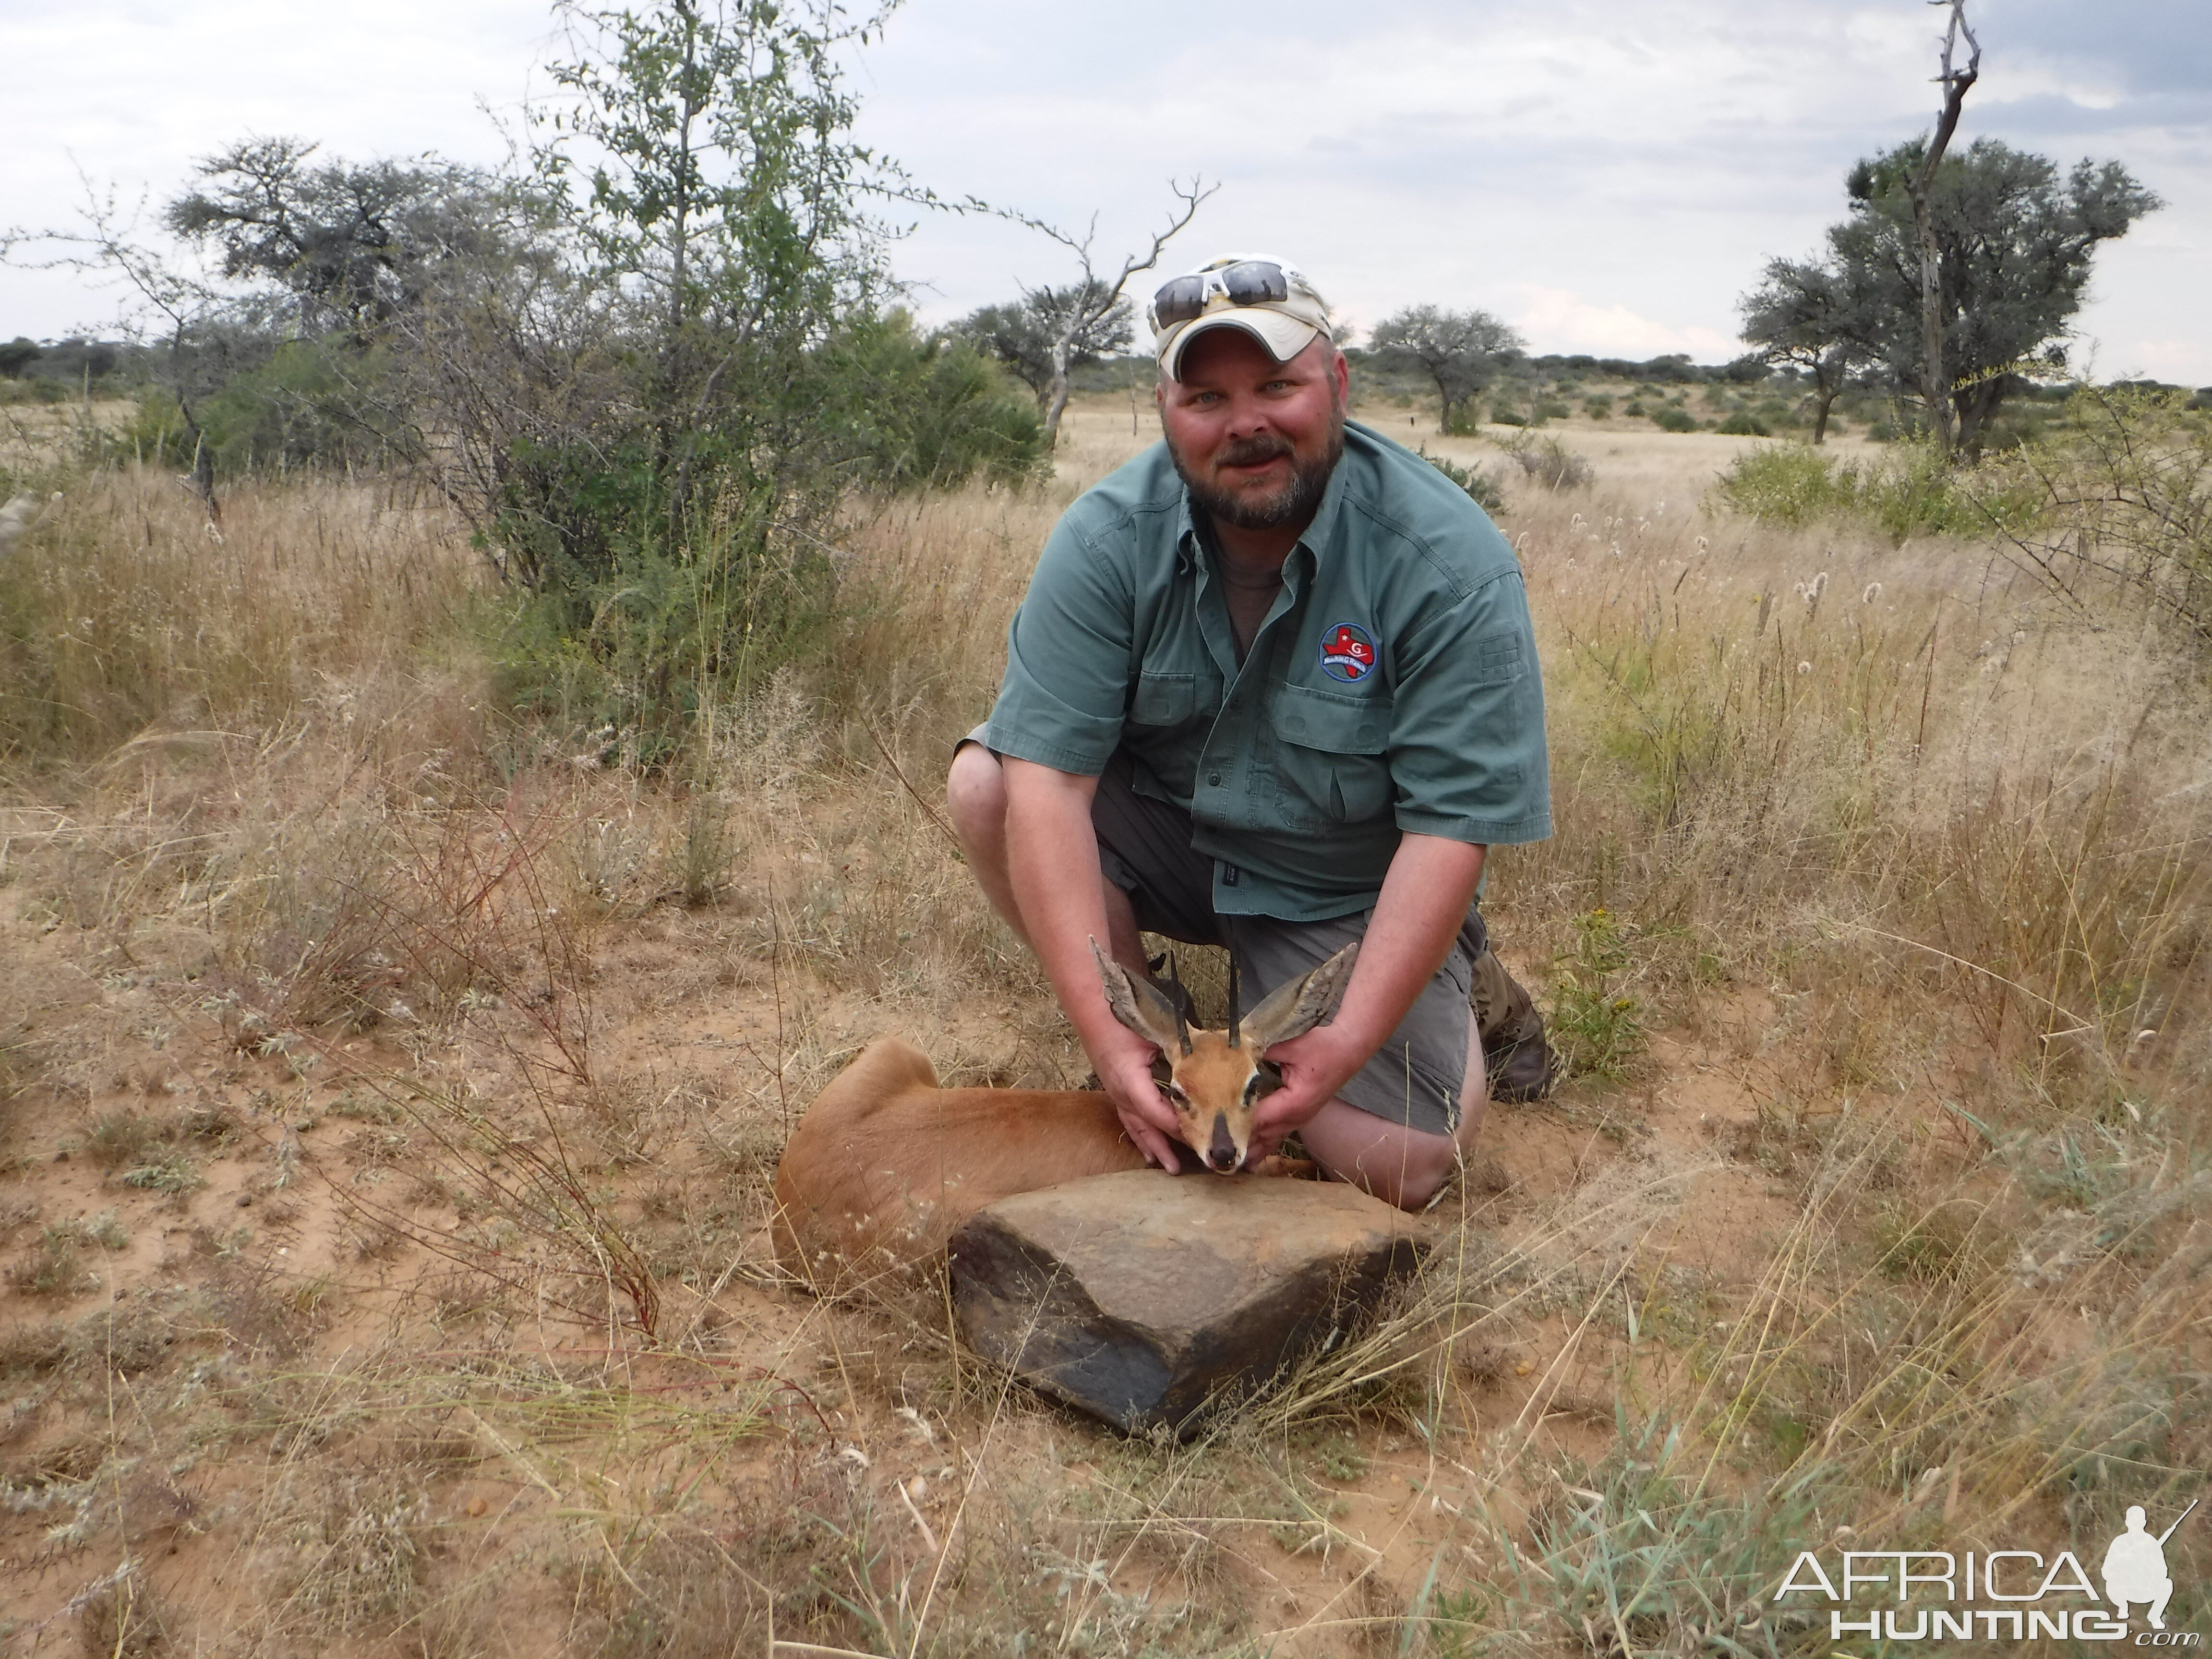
(1078,313)
(2015,242)
(1461,350)
(1807,315)
(1024,335)
(351,244)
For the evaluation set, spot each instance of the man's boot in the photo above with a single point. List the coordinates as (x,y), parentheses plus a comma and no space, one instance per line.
(1518,1062)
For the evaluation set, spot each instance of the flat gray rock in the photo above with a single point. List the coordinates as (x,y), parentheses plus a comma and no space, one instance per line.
(1141,1298)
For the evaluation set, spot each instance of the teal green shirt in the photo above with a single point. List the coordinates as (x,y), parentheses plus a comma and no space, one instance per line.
(1393,686)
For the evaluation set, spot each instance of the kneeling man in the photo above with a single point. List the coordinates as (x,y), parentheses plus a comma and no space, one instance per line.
(1273,687)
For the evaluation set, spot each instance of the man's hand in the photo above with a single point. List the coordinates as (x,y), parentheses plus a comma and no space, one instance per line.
(1126,1075)
(1314,1066)
(1424,900)
(1052,865)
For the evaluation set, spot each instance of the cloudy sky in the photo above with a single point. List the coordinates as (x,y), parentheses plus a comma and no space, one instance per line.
(1607,174)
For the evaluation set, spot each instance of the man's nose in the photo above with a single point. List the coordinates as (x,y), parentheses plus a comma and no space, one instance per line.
(1248,419)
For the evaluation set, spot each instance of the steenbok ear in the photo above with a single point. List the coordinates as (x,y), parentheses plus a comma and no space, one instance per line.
(1296,1006)
(1139,1006)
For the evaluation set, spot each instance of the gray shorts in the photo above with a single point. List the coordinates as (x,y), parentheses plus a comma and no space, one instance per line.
(1145,849)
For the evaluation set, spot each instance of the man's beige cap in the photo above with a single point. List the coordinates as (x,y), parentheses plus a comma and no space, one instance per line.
(1286,327)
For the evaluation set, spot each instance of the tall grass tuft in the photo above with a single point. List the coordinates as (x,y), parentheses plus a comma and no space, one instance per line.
(126,610)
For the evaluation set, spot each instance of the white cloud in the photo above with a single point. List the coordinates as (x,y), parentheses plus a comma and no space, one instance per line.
(1555,320)
(1601,170)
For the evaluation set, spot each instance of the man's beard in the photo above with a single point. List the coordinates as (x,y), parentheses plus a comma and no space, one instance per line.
(1293,503)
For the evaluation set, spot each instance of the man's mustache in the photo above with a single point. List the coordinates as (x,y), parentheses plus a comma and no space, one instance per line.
(1251,451)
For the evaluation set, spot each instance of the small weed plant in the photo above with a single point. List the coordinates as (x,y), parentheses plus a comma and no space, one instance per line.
(1596,1025)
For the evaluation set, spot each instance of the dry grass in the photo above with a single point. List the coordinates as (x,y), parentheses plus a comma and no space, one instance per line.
(442,1319)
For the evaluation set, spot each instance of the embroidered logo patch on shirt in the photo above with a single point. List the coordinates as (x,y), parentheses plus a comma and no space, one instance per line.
(1347,653)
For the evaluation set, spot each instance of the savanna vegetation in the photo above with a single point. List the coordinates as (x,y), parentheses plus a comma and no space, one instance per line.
(443,849)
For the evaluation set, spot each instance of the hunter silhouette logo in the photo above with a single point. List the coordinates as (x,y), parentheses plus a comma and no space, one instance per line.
(1346,652)
(2135,1567)
(1936,1595)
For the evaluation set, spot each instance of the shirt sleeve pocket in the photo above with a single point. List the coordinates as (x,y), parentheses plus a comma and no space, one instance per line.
(1331,759)
(1497,659)
(1163,699)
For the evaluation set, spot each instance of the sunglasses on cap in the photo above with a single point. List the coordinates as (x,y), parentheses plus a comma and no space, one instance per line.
(1248,283)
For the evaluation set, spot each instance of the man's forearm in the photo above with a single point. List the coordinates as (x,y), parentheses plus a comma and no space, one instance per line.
(1424,899)
(1052,863)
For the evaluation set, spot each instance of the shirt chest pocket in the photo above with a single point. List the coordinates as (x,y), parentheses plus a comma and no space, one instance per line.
(1163,699)
(1332,759)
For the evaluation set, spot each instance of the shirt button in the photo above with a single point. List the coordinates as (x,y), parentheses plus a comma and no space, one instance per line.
(1214,778)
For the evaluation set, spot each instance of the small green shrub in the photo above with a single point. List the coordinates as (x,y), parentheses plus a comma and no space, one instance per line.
(1598,408)
(1549,462)
(1485,490)
(1597,1028)
(1508,417)
(1945,1245)
(1641,1546)
(1910,491)
(1789,485)
(1636,410)
(1743,424)
(35,389)
(1670,417)
(310,404)
(2122,486)
(1551,410)
(57,1264)
(121,1138)
(170,1171)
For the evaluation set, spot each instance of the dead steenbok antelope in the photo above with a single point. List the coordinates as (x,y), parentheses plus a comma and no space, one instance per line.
(885,1165)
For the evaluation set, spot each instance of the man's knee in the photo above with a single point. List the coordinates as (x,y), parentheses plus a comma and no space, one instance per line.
(975,793)
(1404,1169)
(1429,1162)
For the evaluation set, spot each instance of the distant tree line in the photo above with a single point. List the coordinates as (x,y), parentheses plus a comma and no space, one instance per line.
(71,363)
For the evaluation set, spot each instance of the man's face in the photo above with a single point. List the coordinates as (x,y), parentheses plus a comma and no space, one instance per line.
(1255,439)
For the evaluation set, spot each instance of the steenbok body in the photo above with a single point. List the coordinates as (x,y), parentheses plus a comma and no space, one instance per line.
(885,1165)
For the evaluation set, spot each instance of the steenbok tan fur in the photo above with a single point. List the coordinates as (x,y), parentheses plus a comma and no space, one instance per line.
(885,1165)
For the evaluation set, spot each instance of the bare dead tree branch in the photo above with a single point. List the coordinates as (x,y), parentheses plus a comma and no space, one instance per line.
(171,302)
(1094,296)
(1955,83)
